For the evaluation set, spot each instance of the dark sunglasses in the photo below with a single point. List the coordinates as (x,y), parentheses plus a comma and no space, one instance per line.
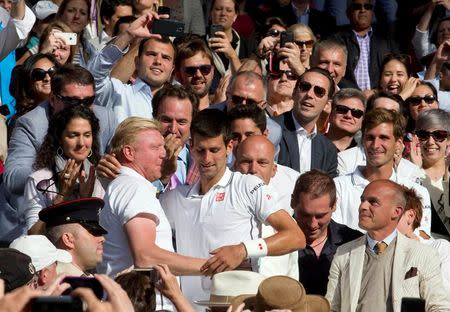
(74,101)
(39,74)
(438,135)
(360,6)
(273,33)
(342,109)
(290,75)
(416,100)
(305,86)
(308,43)
(192,70)
(236,99)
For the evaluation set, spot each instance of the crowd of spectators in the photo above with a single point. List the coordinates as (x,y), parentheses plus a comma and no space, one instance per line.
(267,155)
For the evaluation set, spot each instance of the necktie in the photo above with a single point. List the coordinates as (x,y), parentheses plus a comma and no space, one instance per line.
(380,247)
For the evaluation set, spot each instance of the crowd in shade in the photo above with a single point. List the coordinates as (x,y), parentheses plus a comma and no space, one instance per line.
(224,155)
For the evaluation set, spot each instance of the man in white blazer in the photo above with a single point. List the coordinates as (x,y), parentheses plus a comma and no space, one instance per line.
(376,271)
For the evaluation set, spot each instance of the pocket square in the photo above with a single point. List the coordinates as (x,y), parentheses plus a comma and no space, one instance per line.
(411,273)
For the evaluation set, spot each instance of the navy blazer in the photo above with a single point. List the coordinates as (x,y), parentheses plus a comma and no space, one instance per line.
(323,152)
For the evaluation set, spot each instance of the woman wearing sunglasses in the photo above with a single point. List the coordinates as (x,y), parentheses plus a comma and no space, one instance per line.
(31,82)
(429,151)
(65,164)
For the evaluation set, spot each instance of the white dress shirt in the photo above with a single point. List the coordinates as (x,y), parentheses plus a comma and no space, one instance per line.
(304,140)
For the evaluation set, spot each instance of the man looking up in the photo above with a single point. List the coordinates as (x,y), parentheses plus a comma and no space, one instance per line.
(154,64)
(379,269)
(221,214)
(313,201)
(303,148)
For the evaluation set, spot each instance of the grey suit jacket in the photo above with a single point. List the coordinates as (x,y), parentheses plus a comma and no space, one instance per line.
(344,281)
(29,133)
(323,152)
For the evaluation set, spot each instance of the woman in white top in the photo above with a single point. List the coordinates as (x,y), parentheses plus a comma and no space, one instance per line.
(65,164)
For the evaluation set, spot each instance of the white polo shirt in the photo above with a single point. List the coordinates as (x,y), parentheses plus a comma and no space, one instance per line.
(284,182)
(350,187)
(349,159)
(230,212)
(127,196)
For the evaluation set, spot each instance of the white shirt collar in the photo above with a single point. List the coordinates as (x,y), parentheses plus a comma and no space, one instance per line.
(371,242)
(358,178)
(133,173)
(141,84)
(222,183)
(299,128)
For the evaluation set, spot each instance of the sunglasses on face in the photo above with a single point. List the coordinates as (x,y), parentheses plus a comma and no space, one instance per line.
(416,100)
(438,135)
(305,86)
(360,6)
(273,33)
(192,70)
(39,74)
(308,43)
(342,109)
(236,99)
(74,101)
(290,75)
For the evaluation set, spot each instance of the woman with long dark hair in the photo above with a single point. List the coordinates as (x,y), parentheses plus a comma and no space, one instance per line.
(65,164)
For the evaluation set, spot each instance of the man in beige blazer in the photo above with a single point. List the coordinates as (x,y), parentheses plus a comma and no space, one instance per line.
(374,272)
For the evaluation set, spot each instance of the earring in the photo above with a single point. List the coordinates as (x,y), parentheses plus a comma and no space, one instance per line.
(90,153)
(60,151)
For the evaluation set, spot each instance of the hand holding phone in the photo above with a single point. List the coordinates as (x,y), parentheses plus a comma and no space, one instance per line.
(169,28)
(86,282)
(69,38)
(285,37)
(215,28)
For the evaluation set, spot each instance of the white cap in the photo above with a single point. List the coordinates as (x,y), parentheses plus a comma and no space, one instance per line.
(44,9)
(41,251)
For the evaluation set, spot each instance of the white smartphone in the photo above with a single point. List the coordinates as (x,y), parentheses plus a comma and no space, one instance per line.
(69,38)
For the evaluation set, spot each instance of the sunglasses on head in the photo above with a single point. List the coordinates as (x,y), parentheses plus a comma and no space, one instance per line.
(360,6)
(342,109)
(290,75)
(192,70)
(236,99)
(74,101)
(39,74)
(416,100)
(305,86)
(308,43)
(438,135)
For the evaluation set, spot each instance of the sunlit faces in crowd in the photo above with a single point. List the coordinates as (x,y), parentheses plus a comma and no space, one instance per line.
(381,207)
(75,13)
(394,75)
(334,60)
(76,139)
(380,144)
(155,63)
(281,84)
(223,12)
(424,97)
(197,72)
(41,74)
(73,94)
(347,115)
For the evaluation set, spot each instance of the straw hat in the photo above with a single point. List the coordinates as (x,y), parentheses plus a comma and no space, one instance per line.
(282,292)
(227,285)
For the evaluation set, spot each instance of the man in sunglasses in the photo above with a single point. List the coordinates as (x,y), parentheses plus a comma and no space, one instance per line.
(382,132)
(348,106)
(280,86)
(194,69)
(302,147)
(154,64)
(71,85)
(365,47)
